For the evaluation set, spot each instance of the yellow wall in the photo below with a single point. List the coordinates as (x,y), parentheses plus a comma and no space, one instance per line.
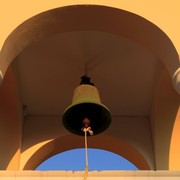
(163,13)
(175,145)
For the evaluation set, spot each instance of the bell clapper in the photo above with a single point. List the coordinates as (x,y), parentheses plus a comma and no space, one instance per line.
(87,128)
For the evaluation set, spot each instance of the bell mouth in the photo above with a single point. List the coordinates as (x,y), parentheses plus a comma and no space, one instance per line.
(98,114)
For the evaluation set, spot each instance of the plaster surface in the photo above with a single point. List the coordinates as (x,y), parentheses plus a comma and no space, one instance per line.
(94,175)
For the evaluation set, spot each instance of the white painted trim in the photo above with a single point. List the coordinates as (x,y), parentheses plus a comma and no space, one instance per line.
(176,80)
(94,175)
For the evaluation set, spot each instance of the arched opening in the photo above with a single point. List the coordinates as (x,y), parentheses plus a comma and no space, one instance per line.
(125,24)
(98,159)
(103,142)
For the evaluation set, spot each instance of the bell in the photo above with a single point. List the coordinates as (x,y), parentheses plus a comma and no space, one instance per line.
(86,110)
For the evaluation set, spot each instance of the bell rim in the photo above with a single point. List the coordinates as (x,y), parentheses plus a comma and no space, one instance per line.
(104,127)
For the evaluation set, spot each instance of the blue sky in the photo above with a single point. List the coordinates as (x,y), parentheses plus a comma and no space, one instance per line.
(75,160)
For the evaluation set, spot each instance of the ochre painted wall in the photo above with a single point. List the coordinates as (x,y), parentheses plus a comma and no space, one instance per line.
(163,14)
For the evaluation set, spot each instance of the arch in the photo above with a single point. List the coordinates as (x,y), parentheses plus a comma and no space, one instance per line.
(91,18)
(70,141)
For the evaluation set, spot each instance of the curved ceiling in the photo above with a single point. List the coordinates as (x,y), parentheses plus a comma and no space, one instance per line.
(122,70)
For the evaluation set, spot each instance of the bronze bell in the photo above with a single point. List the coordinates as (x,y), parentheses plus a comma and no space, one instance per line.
(86,110)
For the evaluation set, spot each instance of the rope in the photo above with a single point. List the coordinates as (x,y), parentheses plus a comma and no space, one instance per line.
(86,155)
(86,150)
(88,129)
